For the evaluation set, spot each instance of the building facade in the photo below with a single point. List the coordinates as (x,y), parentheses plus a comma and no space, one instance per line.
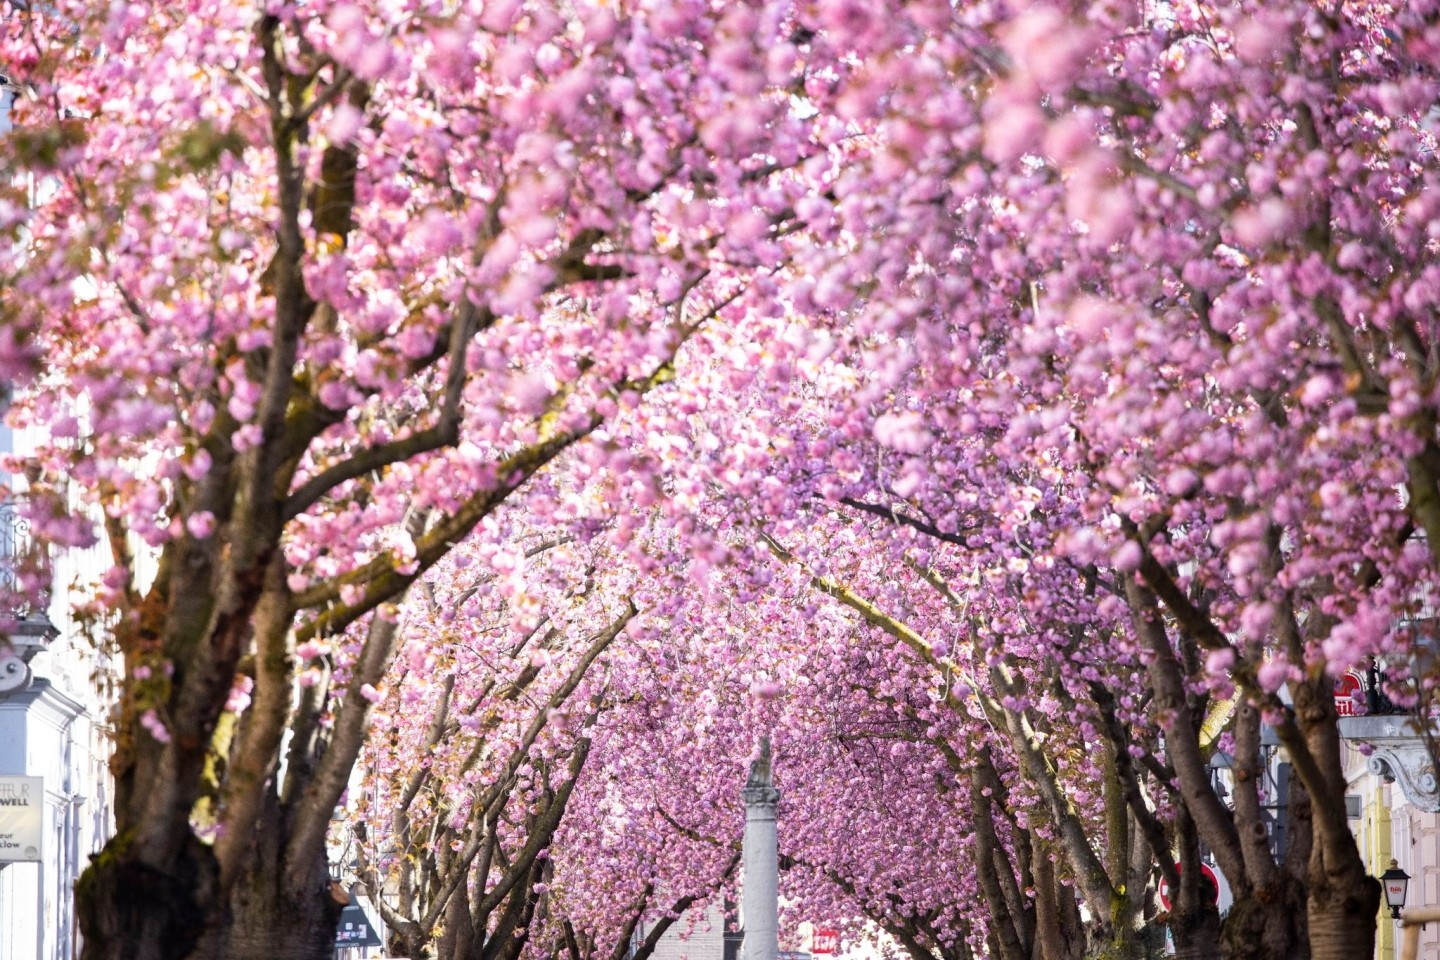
(53,735)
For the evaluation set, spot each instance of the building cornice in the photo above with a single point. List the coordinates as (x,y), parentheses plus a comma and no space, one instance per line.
(48,702)
(1398,753)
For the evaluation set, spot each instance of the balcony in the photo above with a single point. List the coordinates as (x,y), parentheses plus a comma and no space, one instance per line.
(24,584)
(1397,742)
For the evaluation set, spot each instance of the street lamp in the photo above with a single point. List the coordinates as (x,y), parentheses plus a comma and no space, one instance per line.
(1396,882)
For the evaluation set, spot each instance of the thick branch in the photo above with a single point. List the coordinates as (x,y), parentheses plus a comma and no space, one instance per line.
(905,520)
(380,578)
(317,802)
(1214,821)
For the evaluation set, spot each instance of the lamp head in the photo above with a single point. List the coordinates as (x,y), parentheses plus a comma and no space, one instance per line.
(1396,883)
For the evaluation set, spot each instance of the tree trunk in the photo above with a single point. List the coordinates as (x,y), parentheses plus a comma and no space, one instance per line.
(458,940)
(1004,922)
(1342,911)
(1059,930)
(1267,925)
(1122,945)
(1197,933)
(1270,923)
(1344,899)
(132,910)
(265,916)
(268,922)
(1195,921)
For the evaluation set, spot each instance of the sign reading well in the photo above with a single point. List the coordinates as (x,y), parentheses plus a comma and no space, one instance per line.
(22,818)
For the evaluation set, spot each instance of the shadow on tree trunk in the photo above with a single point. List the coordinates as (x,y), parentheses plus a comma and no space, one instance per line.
(130,910)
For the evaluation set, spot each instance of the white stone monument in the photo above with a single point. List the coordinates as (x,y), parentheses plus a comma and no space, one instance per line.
(760,893)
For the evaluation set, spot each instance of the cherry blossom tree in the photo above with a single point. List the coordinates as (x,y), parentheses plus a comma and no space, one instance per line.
(312,289)
(1141,284)
(486,728)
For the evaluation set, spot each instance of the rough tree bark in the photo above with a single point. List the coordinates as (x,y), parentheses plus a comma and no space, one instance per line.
(1344,901)
(1005,926)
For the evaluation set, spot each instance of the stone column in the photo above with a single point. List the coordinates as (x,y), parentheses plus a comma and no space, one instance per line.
(760,892)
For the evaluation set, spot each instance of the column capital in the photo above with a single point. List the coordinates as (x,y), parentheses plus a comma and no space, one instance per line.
(760,795)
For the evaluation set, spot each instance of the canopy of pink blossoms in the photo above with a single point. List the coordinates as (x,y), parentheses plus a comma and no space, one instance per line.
(1006,407)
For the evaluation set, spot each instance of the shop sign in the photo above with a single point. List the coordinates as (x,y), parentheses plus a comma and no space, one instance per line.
(1349,695)
(22,818)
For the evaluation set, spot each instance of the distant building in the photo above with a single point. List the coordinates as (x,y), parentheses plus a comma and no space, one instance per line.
(695,936)
(710,936)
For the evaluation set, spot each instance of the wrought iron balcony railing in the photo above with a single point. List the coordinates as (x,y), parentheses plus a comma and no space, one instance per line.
(24,577)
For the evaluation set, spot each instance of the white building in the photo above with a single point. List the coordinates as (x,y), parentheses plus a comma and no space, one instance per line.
(699,935)
(52,727)
(1394,782)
